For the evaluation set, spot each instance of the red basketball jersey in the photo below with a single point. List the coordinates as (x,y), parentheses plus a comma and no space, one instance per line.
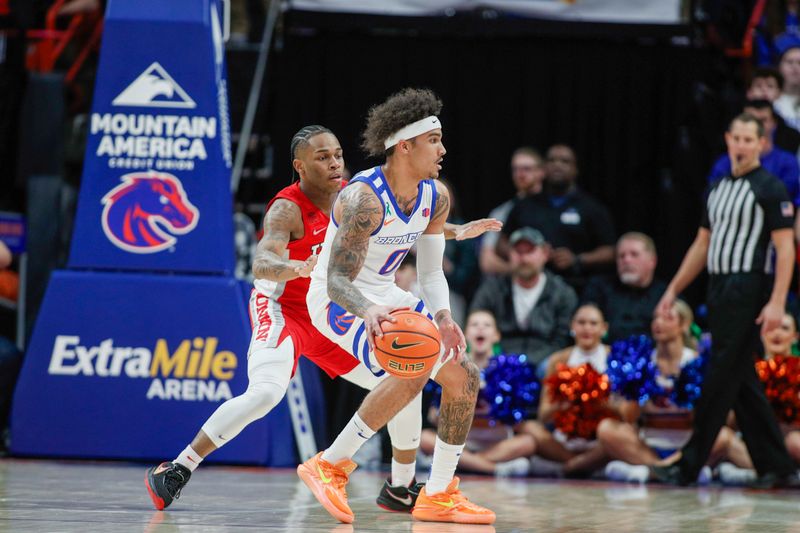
(291,295)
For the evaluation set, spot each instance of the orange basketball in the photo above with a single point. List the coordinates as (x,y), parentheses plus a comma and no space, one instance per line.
(410,346)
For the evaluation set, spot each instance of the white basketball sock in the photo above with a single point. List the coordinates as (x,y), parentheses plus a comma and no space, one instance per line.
(352,437)
(445,461)
(189,458)
(402,473)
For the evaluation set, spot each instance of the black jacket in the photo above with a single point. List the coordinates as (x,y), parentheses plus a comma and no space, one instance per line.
(628,310)
(547,324)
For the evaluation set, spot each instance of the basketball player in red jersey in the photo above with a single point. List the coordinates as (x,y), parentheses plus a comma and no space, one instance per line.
(295,221)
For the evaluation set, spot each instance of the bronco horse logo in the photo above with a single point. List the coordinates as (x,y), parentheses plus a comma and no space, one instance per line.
(138,211)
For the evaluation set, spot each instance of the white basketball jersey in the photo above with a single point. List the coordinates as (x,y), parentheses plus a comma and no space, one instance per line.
(390,242)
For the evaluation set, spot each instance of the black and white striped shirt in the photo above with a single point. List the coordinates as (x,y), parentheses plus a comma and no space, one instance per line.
(741,213)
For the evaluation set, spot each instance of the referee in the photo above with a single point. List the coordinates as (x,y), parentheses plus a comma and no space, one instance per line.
(744,211)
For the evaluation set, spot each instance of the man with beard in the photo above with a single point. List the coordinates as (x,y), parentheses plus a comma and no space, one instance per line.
(628,299)
(577,226)
(532,307)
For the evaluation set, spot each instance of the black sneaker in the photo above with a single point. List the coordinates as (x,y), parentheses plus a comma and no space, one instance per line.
(770,480)
(399,499)
(670,475)
(164,483)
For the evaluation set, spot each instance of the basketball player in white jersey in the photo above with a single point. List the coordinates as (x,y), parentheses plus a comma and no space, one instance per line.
(376,219)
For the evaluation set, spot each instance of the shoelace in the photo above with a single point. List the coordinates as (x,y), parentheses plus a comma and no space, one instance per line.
(173,482)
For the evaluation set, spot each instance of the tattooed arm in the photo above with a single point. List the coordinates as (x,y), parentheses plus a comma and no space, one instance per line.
(359,213)
(282,222)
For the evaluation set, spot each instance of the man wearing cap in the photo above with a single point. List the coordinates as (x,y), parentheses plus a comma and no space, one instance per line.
(532,307)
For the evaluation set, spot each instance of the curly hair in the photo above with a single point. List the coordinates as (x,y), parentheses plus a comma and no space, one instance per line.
(399,110)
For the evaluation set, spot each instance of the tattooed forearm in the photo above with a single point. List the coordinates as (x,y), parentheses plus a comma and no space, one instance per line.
(342,291)
(270,261)
(458,407)
(361,213)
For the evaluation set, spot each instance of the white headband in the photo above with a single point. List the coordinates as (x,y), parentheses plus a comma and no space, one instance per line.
(412,130)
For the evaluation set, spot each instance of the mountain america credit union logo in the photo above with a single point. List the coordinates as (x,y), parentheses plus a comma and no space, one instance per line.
(139,213)
(154,88)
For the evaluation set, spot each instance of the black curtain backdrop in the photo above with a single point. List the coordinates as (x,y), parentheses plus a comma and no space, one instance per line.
(635,109)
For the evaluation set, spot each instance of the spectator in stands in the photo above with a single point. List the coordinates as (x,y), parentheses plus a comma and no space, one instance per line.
(628,299)
(10,363)
(492,447)
(578,227)
(527,174)
(787,104)
(779,20)
(532,307)
(766,83)
(663,426)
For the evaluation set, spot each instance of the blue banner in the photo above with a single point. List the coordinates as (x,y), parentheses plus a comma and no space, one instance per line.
(155,193)
(130,366)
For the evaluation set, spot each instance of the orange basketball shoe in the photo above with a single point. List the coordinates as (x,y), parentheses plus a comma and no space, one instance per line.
(327,483)
(450,506)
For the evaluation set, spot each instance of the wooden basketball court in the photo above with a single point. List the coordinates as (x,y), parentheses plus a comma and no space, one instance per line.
(71,496)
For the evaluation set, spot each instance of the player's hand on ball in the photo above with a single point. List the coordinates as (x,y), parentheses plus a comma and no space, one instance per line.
(476,228)
(372,321)
(304,269)
(452,338)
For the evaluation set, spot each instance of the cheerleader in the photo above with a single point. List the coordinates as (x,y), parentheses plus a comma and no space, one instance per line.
(779,342)
(664,428)
(492,447)
(572,456)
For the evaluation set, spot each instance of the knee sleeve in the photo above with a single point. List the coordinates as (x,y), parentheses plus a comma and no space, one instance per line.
(406,426)
(269,371)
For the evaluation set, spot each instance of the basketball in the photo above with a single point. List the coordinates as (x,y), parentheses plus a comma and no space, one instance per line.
(410,346)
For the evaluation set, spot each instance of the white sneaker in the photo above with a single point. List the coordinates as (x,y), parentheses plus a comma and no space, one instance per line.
(730,474)
(519,467)
(622,471)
